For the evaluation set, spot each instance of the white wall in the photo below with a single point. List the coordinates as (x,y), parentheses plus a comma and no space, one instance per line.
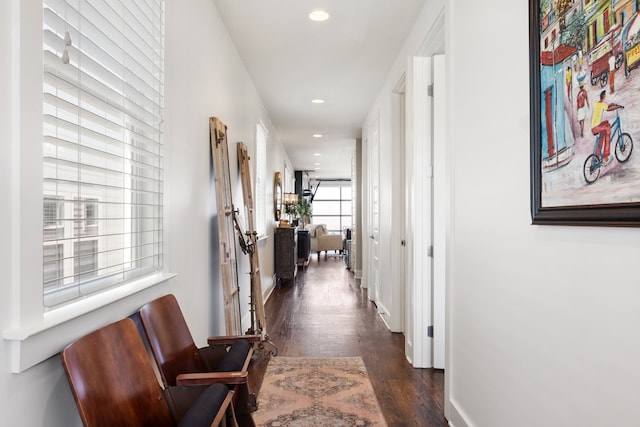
(204,77)
(544,321)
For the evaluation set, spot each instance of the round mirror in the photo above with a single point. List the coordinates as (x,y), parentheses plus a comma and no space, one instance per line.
(277,196)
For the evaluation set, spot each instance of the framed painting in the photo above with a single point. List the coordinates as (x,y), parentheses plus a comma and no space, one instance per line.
(585,112)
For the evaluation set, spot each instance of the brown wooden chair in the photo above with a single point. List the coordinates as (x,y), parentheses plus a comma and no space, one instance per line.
(225,360)
(114,384)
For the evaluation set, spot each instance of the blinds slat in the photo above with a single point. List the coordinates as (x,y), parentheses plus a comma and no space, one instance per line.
(108,90)
(119,138)
(56,143)
(64,78)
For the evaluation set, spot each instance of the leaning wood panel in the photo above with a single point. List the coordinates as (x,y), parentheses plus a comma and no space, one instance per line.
(224,203)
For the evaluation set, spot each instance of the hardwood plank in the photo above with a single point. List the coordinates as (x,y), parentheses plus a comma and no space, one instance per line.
(325,313)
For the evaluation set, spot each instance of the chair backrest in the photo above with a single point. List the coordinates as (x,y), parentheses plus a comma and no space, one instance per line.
(112,379)
(170,339)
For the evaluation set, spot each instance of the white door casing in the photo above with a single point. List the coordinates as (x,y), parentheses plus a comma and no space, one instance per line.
(440,211)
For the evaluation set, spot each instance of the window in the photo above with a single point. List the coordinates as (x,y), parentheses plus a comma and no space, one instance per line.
(53,268)
(84,218)
(53,212)
(85,259)
(102,149)
(261,180)
(332,206)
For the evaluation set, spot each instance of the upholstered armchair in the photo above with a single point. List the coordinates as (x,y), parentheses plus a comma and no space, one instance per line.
(322,240)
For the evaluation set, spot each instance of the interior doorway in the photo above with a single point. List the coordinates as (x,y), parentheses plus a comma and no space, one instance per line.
(427,202)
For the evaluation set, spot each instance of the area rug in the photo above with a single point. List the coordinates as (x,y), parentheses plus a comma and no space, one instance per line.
(302,391)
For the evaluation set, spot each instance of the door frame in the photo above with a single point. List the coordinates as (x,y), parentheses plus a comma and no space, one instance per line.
(420,160)
(401,226)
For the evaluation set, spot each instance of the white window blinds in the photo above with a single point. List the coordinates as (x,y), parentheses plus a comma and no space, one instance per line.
(103,156)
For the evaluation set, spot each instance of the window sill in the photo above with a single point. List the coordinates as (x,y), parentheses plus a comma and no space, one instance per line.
(42,338)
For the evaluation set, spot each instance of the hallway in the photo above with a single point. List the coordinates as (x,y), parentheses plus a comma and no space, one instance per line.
(325,313)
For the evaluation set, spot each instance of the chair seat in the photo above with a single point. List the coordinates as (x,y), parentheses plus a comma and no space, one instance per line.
(235,358)
(204,410)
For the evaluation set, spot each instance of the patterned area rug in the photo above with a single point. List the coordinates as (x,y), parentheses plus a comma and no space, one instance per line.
(301,391)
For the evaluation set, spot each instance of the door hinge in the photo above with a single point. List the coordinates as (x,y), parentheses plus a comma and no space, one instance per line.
(430,331)
(430,90)
(430,251)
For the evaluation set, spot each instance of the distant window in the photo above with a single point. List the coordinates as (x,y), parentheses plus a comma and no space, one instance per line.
(332,206)
(85,258)
(85,221)
(53,213)
(53,267)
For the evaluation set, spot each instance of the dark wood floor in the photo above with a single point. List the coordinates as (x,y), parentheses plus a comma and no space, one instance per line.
(325,313)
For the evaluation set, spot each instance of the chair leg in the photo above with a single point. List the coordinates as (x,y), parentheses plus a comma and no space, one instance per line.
(245,405)
(247,401)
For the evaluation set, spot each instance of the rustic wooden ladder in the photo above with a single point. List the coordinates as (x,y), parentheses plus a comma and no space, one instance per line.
(250,246)
(224,203)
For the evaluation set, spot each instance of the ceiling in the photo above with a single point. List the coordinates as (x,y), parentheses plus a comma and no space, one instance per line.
(344,61)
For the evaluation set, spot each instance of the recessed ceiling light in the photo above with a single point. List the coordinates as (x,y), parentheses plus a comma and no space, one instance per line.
(317,135)
(317,154)
(317,101)
(316,164)
(319,15)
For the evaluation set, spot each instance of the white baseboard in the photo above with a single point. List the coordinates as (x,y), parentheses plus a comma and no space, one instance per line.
(457,417)
(384,314)
(269,290)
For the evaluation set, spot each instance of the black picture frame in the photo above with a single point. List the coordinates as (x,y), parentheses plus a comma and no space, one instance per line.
(610,214)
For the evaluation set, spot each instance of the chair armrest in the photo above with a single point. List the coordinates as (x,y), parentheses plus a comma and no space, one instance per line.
(206,378)
(230,339)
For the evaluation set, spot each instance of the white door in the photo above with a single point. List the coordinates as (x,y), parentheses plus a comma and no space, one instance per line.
(419,204)
(365,192)
(374,212)
(400,213)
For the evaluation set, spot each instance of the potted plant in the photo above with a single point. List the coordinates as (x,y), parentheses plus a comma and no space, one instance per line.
(303,211)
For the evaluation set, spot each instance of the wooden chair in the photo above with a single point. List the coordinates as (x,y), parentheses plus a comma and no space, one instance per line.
(114,384)
(225,360)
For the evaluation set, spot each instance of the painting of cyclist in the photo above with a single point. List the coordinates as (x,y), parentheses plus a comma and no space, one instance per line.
(602,127)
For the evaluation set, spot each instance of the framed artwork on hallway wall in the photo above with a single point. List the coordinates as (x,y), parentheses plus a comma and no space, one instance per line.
(585,112)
